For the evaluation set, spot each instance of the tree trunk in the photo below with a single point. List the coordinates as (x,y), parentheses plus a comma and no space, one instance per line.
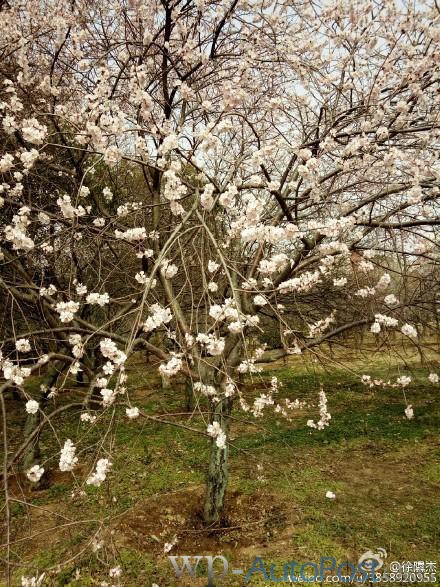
(32,452)
(188,395)
(218,473)
(165,382)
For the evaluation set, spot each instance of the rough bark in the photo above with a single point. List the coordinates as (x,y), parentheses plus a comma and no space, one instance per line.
(218,471)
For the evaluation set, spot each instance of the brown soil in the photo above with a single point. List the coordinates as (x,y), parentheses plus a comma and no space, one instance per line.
(248,521)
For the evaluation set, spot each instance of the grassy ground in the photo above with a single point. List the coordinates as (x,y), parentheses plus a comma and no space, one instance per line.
(384,471)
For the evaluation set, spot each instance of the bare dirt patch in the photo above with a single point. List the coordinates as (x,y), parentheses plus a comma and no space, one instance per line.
(248,521)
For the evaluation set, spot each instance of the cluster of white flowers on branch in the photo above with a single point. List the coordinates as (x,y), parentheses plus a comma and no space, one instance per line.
(324,415)
(99,476)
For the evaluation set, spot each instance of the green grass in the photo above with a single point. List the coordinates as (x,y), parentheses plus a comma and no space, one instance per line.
(383,468)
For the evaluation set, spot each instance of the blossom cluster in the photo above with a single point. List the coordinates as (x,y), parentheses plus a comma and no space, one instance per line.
(324,415)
